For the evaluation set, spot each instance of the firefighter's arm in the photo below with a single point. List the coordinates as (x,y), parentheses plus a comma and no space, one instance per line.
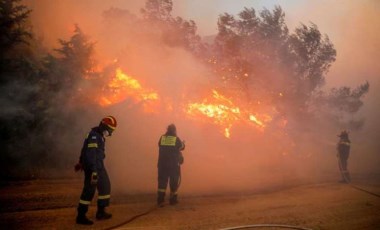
(183,146)
(79,166)
(180,144)
(91,155)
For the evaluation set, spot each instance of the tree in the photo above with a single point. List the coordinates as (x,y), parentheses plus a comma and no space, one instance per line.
(61,100)
(339,105)
(13,18)
(347,100)
(157,10)
(19,70)
(176,32)
(257,58)
(73,63)
(13,33)
(258,54)
(313,55)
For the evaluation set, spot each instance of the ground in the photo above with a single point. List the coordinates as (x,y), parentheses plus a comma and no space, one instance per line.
(51,204)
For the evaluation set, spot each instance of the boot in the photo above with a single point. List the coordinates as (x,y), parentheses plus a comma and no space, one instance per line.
(81,217)
(173,200)
(101,214)
(160,199)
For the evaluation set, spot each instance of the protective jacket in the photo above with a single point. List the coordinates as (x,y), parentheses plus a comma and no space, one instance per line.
(170,148)
(93,151)
(344,147)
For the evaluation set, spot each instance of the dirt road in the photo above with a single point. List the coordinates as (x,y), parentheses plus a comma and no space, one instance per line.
(51,204)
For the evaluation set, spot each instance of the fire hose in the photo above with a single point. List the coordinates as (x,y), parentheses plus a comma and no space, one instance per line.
(132,218)
(144,213)
(265,226)
(346,178)
(363,190)
(243,226)
(289,226)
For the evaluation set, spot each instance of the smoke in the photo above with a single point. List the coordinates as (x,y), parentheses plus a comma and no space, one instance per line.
(250,159)
(15,102)
(354,29)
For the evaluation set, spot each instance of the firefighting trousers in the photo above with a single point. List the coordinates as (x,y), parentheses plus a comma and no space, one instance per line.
(104,190)
(165,174)
(342,161)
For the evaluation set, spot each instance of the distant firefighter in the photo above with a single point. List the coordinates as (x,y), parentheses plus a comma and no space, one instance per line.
(343,148)
(95,174)
(169,160)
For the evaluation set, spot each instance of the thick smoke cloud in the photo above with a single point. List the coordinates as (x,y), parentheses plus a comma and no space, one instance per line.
(356,35)
(250,160)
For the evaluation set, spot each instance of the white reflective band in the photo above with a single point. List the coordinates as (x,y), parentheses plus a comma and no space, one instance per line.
(84,202)
(161,190)
(104,197)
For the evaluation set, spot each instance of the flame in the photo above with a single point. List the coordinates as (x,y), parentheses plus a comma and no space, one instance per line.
(254,119)
(227,132)
(216,109)
(123,87)
(223,112)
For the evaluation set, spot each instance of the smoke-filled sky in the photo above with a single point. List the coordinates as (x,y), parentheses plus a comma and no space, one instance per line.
(352,26)
(344,22)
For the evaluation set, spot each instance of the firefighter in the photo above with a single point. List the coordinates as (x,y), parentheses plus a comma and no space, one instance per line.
(95,174)
(343,148)
(169,160)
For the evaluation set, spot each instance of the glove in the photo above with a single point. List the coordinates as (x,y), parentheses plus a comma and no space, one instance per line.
(94,178)
(78,167)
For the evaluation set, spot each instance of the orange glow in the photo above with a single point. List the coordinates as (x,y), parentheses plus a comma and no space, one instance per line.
(216,109)
(221,111)
(123,87)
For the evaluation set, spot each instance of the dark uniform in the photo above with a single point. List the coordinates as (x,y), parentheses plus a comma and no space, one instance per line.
(169,160)
(96,177)
(343,148)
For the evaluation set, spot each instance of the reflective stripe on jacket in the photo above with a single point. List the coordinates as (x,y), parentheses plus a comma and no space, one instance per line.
(169,150)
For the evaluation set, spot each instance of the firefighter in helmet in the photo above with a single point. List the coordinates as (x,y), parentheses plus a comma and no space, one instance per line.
(96,177)
(343,148)
(169,160)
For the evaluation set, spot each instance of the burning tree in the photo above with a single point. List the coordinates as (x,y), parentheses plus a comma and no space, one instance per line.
(257,57)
